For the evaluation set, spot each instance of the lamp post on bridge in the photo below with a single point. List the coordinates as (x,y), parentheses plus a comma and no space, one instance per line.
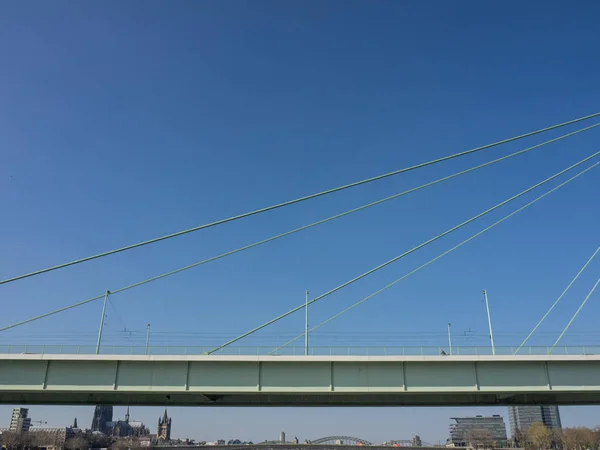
(306,325)
(487,306)
(102,322)
(147,337)
(449,337)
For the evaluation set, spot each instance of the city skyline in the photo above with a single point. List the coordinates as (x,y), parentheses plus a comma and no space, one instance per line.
(218,427)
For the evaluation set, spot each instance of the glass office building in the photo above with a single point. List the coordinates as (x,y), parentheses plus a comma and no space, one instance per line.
(522,417)
(461,431)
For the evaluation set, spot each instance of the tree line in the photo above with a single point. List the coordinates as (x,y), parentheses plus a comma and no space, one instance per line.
(540,437)
(54,439)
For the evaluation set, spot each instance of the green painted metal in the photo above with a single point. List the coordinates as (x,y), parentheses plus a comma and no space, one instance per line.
(412,250)
(297,381)
(300,199)
(560,297)
(174,350)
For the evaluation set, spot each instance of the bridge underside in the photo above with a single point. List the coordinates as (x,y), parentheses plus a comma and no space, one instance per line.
(299,381)
(196,399)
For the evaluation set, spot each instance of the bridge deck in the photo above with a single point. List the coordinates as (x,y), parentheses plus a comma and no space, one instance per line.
(299,381)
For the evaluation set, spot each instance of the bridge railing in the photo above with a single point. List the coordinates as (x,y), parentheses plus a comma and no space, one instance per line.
(70,349)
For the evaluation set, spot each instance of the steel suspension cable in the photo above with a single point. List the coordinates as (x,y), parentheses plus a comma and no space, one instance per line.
(558,299)
(575,315)
(441,255)
(294,201)
(423,244)
(302,228)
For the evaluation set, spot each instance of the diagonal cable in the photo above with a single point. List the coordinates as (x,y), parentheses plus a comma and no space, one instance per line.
(294,201)
(423,244)
(441,255)
(558,299)
(575,315)
(296,230)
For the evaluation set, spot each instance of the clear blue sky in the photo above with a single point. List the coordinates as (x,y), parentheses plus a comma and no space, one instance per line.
(122,121)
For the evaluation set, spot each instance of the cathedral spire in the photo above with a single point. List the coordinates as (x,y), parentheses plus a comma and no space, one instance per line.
(164,427)
(127,415)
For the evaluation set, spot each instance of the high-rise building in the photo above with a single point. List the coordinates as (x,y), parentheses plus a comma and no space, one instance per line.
(19,422)
(522,417)
(282,437)
(467,428)
(102,416)
(164,427)
(551,416)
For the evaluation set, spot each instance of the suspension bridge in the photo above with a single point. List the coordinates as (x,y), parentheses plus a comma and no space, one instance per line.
(286,374)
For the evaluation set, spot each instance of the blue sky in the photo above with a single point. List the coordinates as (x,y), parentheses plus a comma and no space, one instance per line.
(123,121)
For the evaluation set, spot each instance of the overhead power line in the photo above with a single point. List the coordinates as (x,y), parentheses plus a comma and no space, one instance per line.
(423,244)
(508,216)
(296,230)
(559,298)
(294,201)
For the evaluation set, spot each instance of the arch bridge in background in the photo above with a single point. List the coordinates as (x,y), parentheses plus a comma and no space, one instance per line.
(344,440)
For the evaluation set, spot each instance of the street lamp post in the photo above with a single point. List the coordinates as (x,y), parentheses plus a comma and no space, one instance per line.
(147,337)
(306,325)
(487,306)
(102,322)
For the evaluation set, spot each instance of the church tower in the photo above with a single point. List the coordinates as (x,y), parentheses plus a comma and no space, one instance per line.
(102,415)
(164,427)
